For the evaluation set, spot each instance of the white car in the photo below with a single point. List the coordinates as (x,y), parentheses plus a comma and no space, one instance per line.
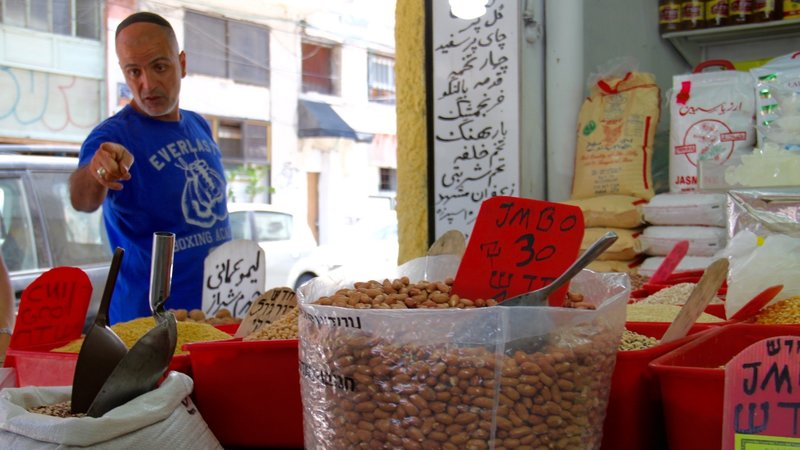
(366,250)
(287,242)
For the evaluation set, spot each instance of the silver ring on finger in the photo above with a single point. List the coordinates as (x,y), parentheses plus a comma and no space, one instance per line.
(101,172)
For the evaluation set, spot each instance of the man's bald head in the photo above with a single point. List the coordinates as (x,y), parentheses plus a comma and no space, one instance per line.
(147,17)
(152,64)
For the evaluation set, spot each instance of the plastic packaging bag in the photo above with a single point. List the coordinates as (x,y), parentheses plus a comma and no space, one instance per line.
(164,418)
(658,240)
(754,267)
(390,376)
(778,101)
(687,208)
(764,211)
(616,129)
(711,119)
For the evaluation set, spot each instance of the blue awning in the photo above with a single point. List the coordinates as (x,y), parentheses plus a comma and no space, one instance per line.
(316,119)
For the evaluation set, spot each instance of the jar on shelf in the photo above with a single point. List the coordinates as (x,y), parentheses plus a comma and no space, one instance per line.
(692,14)
(669,16)
(740,11)
(716,13)
(791,9)
(767,10)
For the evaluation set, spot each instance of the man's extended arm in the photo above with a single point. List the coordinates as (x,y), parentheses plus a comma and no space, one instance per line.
(89,184)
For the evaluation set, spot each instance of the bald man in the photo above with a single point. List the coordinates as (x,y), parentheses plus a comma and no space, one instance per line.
(154,167)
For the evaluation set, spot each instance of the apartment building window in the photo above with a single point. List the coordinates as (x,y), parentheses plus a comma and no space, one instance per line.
(388,180)
(380,78)
(245,154)
(225,48)
(319,68)
(79,18)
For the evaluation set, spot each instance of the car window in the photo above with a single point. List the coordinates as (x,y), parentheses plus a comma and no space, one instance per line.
(239,227)
(16,227)
(271,226)
(76,238)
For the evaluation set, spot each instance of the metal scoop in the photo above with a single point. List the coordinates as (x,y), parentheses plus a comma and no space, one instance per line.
(535,342)
(102,349)
(148,359)
(539,296)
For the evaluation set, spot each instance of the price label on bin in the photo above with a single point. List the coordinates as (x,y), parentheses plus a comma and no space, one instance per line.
(761,406)
(518,245)
(267,308)
(52,308)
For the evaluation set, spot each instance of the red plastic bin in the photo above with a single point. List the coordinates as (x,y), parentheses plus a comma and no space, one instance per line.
(39,366)
(634,419)
(248,392)
(692,382)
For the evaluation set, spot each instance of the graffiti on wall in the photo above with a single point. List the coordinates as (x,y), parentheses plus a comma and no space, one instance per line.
(41,105)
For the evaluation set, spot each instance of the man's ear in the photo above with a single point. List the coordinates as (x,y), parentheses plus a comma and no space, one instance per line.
(182,59)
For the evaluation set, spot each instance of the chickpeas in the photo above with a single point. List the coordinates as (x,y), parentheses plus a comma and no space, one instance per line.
(635,341)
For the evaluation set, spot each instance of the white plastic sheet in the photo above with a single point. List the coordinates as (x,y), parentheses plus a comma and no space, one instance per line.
(162,418)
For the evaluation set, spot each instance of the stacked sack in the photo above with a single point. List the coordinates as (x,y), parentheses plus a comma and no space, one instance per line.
(616,129)
(692,216)
(711,121)
(621,214)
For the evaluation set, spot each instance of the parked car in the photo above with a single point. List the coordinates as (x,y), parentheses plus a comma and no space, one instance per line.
(288,243)
(39,229)
(366,250)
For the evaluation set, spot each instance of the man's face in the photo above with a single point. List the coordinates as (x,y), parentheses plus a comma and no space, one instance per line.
(153,69)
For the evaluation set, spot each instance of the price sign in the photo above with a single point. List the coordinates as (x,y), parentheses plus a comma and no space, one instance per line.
(267,308)
(519,245)
(234,275)
(762,406)
(52,308)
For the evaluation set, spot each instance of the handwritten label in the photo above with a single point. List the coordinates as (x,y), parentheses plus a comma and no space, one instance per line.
(267,308)
(519,245)
(762,406)
(475,98)
(234,275)
(327,377)
(52,308)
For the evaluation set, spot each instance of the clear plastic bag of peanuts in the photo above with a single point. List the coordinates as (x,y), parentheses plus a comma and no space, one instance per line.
(442,372)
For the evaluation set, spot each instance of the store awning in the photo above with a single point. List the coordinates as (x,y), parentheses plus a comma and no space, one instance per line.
(316,119)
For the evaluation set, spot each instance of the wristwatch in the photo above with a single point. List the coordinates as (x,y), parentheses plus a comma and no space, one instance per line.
(5,330)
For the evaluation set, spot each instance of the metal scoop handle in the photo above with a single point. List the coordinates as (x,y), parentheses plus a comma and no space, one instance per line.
(539,297)
(161,270)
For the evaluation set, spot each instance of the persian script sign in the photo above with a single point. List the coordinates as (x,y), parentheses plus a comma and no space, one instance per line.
(475,98)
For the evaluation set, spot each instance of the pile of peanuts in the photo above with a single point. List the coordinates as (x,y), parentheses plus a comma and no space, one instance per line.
(439,397)
(445,396)
(223,316)
(401,294)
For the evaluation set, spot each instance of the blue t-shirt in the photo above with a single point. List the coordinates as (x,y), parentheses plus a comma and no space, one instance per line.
(178,185)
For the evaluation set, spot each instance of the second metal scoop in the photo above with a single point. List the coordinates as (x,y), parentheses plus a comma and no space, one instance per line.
(102,349)
(539,296)
(149,358)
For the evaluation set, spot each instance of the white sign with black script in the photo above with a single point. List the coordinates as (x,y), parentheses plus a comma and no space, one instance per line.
(475,97)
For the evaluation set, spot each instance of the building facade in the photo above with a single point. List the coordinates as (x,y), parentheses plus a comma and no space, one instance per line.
(300,95)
